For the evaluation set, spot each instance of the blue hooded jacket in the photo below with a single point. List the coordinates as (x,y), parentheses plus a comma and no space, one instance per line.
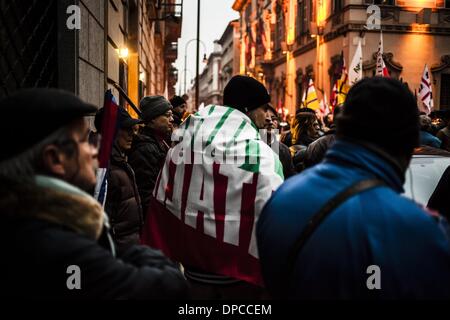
(375,227)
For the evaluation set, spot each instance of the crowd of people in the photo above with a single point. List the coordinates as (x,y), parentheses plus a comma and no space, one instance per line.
(303,211)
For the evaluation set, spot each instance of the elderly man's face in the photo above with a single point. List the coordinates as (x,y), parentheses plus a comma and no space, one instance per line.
(262,117)
(79,168)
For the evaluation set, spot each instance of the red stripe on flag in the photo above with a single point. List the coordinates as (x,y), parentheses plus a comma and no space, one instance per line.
(247,212)
(169,187)
(186,183)
(425,96)
(180,242)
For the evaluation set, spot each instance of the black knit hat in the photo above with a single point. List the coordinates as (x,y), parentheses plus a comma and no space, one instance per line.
(153,106)
(177,101)
(31,115)
(381,111)
(245,94)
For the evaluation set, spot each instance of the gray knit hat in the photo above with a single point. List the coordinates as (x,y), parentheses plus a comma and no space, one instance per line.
(153,106)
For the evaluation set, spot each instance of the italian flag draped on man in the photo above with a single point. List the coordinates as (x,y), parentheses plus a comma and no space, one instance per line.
(210,192)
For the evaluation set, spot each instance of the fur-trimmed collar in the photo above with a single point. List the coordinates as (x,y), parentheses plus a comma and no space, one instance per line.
(53,200)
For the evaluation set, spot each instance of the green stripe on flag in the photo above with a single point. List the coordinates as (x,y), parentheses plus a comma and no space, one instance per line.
(278,166)
(252,157)
(211,110)
(186,122)
(236,134)
(218,126)
(199,124)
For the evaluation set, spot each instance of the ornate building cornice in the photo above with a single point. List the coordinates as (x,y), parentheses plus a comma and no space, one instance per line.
(388,58)
(445,63)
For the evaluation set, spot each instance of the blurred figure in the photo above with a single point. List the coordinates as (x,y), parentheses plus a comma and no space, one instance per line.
(439,200)
(305,129)
(444,134)
(328,120)
(122,204)
(179,110)
(50,223)
(316,150)
(150,148)
(426,138)
(347,231)
(273,139)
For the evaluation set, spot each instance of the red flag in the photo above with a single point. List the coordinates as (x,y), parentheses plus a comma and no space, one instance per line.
(108,130)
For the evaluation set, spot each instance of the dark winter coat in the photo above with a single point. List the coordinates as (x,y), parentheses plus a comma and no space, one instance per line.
(49,240)
(147,158)
(317,149)
(444,136)
(286,161)
(375,227)
(285,158)
(123,204)
(439,199)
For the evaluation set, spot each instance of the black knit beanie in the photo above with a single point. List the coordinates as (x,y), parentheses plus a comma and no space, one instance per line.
(177,101)
(381,111)
(245,94)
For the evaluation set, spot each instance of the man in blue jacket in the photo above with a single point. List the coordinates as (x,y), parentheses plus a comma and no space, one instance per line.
(372,242)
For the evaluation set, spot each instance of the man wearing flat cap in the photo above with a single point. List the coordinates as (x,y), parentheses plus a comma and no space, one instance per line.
(51,223)
(150,148)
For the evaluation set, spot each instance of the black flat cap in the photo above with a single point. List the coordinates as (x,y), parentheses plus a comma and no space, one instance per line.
(31,115)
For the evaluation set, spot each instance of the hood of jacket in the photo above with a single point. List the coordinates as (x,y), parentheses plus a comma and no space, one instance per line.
(376,164)
(52,200)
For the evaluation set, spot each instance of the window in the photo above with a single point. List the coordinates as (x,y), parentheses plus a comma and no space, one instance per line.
(337,5)
(302,21)
(279,28)
(298,24)
(445,91)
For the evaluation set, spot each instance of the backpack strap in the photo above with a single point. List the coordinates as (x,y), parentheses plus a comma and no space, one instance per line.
(317,219)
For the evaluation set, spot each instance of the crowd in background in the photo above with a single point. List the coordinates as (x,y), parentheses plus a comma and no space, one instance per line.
(361,150)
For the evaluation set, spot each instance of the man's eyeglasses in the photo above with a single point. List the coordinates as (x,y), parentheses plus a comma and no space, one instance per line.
(95,139)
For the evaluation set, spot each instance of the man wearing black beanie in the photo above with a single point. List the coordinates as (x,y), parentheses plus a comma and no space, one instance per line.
(150,148)
(179,109)
(347,231)
(249,96)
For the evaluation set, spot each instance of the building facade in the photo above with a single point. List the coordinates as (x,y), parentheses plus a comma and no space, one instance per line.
(286,42)
(230,42)
(209,79)
(222,64)
(88,46)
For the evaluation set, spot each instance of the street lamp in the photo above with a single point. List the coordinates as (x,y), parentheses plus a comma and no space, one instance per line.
(185,58)
(180,87)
